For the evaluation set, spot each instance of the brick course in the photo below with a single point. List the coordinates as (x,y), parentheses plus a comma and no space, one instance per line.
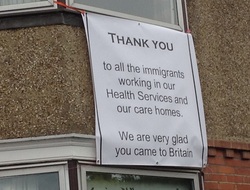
(228,166)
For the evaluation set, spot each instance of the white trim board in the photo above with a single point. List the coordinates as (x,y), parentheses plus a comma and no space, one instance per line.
(47,148)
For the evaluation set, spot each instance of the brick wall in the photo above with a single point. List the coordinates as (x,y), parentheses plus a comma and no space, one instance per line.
(228,166)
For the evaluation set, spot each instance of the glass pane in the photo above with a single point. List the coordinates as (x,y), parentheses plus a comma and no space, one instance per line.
(160,10)
(114,181)
(45,181)
(14,2)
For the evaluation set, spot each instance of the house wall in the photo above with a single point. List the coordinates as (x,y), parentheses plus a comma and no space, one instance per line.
(45,82)
(228,166)
(46,87)
(222,42)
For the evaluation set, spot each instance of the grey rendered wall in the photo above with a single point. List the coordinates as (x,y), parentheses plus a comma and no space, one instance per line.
(45,82)
(221,32)
(46,87)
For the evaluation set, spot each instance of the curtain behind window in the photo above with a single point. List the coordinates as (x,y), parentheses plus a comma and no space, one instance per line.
(47,181)
(160,10)
(14,2)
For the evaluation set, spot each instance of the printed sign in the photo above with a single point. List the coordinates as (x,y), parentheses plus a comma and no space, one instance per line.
(147,94)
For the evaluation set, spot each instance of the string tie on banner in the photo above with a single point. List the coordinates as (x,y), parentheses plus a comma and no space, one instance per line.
(188,31)
(69,7)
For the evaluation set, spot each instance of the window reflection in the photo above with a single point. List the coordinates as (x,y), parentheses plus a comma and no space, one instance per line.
(112,181)
(14,2)
(160,10)
(46,181)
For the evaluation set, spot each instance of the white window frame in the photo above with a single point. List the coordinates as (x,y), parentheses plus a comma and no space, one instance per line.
(180,14)
(27,7)
(181,175)
(60,167)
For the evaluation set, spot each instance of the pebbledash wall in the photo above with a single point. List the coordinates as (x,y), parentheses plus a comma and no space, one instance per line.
(222,42)
(46,87)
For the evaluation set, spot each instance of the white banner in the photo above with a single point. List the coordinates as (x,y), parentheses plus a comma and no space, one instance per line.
(148,101)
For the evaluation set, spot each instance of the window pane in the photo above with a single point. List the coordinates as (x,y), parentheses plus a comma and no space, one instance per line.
(14,2)
(45,181)
(160,10)
(112,181)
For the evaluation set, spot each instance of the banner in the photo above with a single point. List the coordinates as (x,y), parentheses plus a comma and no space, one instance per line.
(148,101)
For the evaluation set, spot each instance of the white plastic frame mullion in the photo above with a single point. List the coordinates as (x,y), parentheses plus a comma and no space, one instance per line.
(172,11)
(180,14)
(64,178)
(186,14)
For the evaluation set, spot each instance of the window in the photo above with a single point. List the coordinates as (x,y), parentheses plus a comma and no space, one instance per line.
(162,12)
(13,2)
(97,178)
(34,178)
(15,6)
(168,13)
